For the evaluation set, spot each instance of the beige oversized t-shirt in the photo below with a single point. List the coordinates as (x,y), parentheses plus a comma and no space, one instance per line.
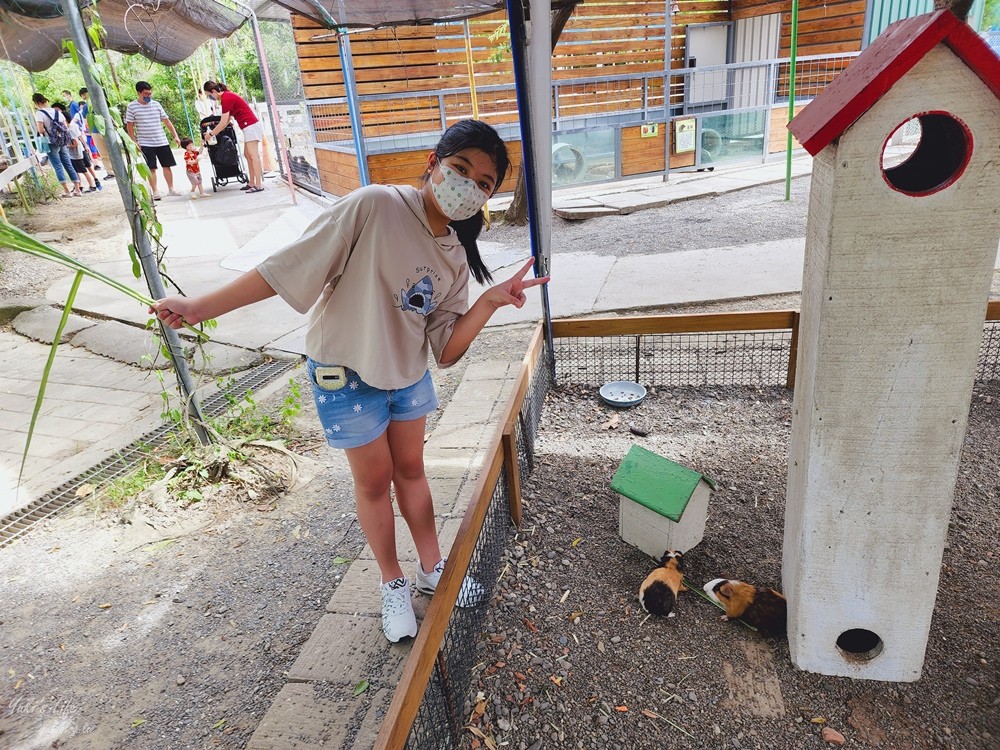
(381,286)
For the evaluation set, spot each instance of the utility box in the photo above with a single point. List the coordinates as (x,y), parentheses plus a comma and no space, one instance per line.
(899,261)
(663,505)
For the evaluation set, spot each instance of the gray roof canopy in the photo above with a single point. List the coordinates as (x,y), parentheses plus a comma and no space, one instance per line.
(378,13)
(165,31)
(169,31)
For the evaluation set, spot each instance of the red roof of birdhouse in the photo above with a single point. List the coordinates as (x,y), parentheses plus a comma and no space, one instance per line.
(885,61)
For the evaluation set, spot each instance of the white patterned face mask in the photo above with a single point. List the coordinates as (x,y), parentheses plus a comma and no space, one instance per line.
(459,197)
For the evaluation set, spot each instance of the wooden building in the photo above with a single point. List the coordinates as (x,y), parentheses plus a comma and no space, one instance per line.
(700,81)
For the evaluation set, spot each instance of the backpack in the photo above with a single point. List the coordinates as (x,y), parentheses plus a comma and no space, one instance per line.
(57,131)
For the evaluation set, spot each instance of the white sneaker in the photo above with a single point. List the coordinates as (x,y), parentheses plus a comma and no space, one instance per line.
(156,196)
(172,192)
(398,620)
(471,593)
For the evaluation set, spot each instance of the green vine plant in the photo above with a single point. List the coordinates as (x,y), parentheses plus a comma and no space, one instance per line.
(500,38)
(247,434)
(142,204)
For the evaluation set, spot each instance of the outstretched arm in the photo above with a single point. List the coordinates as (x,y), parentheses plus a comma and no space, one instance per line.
(172,129)
(176,310)
(223,121)
(467,327)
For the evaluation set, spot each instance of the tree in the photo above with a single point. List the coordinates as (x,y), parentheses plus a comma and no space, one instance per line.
(517,212)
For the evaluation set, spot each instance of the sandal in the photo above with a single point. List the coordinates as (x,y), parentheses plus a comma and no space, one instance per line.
(255,190)
(245,187)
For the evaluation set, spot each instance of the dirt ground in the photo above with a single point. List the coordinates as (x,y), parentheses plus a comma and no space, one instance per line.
(570,660)
(171,628)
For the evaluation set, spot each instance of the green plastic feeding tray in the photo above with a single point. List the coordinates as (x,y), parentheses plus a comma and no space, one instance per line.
(622,393)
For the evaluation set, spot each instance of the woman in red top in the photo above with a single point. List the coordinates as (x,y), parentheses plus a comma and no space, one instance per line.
(235,107)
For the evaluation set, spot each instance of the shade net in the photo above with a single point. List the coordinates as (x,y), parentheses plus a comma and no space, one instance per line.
(165,31)
(377,13)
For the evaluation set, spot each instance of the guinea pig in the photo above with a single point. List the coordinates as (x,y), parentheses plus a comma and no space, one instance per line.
(659,591)
(765,609)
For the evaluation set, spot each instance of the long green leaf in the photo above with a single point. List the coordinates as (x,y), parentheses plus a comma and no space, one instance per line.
(16,239)
(40,397)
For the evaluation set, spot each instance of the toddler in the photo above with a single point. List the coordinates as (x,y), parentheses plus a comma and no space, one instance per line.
(191,166)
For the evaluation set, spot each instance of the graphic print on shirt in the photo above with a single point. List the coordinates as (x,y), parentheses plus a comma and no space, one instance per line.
(419,297)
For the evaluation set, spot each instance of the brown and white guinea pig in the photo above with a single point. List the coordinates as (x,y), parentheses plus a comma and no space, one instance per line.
(765,609)
(659,591)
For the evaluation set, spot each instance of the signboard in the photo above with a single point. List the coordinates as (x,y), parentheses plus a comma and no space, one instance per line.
(684,135)
(649,131)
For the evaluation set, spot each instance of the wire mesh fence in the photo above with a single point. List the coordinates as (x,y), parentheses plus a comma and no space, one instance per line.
(756,358)
(989,353)
(442,713)
(440,717)
(278,38)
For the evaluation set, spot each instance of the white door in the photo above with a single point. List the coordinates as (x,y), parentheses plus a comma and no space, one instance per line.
(707,45)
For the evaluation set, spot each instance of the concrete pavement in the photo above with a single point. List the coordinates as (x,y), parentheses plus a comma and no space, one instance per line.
(106,353)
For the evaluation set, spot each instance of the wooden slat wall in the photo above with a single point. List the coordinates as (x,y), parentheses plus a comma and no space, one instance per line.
(778,140)
(338,171)
(603,38)
(407,167)
(825,28)
(640,155)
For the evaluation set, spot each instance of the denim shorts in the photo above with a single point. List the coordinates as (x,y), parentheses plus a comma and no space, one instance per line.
(358,413)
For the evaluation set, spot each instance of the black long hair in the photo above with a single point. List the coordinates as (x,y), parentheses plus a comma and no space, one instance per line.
(474,134)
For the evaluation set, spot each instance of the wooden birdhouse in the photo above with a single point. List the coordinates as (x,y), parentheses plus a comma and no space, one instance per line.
(899,260)
(663,505)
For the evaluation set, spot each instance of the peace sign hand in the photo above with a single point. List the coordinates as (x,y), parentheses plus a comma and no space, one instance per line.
(511,291)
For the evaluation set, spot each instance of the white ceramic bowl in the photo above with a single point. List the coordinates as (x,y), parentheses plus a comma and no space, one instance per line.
(622,393)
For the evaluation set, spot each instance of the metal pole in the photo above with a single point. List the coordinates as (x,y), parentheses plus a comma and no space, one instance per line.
(279,136)
(472,70)
(791,96)
(180,91)
(143,248)
(518,35)
(218,61)
(353,105)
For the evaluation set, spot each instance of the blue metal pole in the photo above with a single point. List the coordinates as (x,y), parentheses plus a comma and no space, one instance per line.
(180,92)
(218,61)
(518,35)
(353,105)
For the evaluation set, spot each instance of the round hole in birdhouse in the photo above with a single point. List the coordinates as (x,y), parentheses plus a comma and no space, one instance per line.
(926,154)
(858,644)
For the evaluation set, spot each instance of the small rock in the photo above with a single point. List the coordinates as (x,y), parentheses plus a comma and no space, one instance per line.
(181,679)
(831,736)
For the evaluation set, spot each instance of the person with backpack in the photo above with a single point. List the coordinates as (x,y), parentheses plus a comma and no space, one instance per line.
(53,126)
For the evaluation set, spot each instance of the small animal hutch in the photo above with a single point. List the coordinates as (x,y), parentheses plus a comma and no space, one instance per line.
(899,260)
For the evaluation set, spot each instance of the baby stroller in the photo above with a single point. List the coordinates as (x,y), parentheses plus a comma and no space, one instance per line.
(227,162)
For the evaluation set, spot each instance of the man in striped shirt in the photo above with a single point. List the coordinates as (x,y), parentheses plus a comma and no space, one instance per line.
(144,120)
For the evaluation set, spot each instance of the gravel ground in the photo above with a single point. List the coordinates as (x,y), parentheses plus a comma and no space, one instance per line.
(125,635)
(570,660)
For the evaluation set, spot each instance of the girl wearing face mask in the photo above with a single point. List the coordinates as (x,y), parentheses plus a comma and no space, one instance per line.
(386,272)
